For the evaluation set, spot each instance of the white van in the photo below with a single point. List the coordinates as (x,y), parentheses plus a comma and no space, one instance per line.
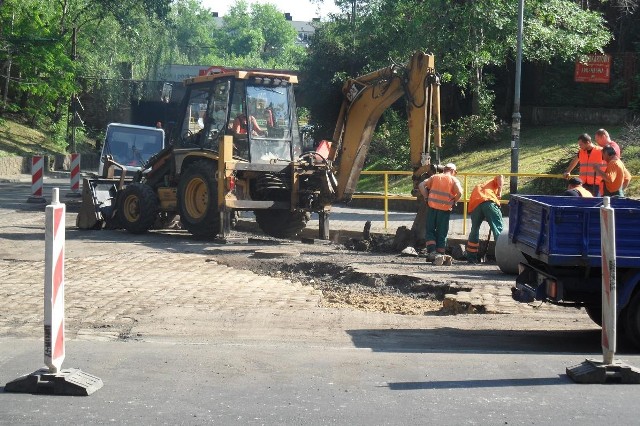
(131,145)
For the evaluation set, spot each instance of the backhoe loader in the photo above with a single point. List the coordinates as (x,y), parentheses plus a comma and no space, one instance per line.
(237,146)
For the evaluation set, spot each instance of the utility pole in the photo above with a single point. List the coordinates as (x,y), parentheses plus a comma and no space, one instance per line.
(515,118)
(74,101)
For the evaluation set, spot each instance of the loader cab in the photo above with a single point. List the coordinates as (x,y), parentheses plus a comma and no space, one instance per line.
(257,109)
(130,145)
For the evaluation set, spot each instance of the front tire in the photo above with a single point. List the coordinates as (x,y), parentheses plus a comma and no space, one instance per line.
(138,208)
(281,223)
(198,200)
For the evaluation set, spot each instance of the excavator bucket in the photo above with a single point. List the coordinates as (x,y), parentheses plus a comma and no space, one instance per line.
(98,204)
(99,198)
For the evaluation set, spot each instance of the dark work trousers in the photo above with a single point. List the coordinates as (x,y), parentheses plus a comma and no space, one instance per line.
(437,229)
(490,212)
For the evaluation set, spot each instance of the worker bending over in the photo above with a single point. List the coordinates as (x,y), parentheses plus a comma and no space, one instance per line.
(575,188)
(484,204)
(442,192)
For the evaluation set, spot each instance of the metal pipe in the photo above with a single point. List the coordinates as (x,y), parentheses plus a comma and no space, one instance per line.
(515,118)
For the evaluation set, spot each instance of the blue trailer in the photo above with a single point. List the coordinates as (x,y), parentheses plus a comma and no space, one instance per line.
(560,240)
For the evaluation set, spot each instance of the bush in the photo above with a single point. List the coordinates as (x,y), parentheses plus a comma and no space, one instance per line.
(474,131)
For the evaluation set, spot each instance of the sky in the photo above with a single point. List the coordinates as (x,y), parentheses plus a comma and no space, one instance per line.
(300,10)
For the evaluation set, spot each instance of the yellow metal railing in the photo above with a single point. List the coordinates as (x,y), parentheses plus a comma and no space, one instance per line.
(463,176)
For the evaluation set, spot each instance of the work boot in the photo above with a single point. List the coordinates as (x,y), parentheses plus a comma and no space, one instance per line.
(471,258)
(447,260)
(439,260)
(431,256)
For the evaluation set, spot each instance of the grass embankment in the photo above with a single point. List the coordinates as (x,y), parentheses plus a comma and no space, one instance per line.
(542,150)
(19,139)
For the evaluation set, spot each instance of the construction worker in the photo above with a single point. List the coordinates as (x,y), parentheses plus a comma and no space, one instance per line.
(575,188)
(484,204)
(442,192)
(603,139)
(616,177)
(590,158)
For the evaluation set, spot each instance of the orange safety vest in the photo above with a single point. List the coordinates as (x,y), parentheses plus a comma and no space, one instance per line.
(442,192)
(482,192)
(588,163)
(583,191)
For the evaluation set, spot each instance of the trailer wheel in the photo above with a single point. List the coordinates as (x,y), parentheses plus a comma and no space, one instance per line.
(595,313)
(138,208)
(632,321)
(198,200)
(281,223)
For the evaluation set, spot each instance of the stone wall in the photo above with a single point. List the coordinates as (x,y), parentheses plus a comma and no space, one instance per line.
(14,165)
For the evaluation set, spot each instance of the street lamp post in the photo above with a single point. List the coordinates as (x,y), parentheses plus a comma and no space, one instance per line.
(515,118)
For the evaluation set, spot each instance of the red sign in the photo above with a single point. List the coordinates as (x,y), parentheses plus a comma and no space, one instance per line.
(596,69)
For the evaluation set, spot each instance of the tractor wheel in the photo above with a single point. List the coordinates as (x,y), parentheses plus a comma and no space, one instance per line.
(198,200)
(632,320)
(281,223)
(138,208)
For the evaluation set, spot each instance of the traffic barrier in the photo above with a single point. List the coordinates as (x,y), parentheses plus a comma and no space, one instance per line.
(54,380)
(608,370)
(54,348)
(37,177)
(75,176)
(608,248)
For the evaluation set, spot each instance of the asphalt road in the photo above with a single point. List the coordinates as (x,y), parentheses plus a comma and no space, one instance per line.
(179,339)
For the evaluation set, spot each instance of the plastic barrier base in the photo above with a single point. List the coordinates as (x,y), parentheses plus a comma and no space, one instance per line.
(592,371)
(70,381)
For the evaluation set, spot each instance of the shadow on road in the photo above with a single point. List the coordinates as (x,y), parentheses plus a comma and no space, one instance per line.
(476,384)
(452,340)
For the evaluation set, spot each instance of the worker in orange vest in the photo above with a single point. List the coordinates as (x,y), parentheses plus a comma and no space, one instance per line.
(575,189)
(442,192)
(484,204)
(590,158)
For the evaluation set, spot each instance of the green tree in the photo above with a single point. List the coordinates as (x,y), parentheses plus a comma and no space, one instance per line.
(238,37)
(193,27)
(467,37)
(260,35)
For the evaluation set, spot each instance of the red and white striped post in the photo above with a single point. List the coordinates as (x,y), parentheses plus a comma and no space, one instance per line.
(52,379)
(609,370)
(75,176)
(609,309)
(37,176)
(54,284)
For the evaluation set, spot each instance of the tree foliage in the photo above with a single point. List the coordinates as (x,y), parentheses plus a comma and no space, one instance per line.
(468,37)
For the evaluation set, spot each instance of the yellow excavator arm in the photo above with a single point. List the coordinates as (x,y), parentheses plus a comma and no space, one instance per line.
(367,97)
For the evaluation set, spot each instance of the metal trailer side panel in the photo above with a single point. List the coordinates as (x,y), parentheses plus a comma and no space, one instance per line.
(566,230)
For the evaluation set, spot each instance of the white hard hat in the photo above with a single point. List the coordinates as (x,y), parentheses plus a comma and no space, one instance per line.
(450,166)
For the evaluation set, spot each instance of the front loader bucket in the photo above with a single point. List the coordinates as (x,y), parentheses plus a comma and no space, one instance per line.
(98,203)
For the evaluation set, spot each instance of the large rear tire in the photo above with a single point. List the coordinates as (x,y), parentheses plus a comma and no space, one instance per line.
(138,208)
(632,321)
(198,200)
(281,223)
